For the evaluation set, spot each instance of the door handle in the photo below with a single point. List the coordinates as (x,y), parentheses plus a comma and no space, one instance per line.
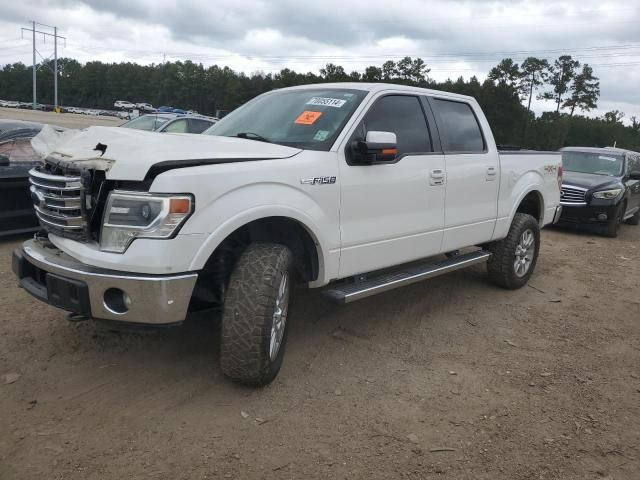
(437,177)
(492,172)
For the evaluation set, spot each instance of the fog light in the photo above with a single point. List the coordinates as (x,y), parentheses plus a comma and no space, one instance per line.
(117,301)
(602,217)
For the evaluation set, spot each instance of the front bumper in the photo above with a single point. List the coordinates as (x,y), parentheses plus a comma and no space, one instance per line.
(587,214)
(56,278)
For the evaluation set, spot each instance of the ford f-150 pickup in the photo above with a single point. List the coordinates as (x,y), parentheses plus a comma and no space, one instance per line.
(356,188)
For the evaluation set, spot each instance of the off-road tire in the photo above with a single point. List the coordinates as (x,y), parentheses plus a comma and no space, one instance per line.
(500,266)
(611,229)
(248,314)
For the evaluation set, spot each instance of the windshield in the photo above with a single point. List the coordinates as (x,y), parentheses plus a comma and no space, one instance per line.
(610,164)
(303,118)
(146,122)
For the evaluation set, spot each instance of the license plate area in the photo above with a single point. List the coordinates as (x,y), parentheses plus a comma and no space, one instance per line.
(68,294)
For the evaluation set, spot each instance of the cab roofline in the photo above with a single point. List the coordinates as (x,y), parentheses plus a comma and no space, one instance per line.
(379,87)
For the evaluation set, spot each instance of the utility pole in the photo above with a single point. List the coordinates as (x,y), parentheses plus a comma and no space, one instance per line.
(34,64)
(55,68)
(55,57)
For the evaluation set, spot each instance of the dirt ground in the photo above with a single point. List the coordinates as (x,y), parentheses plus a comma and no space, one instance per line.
(67,120)
(451,378)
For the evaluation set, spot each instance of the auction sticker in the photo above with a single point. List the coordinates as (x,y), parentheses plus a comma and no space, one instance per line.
(327,102)
(308,117)
(321,135)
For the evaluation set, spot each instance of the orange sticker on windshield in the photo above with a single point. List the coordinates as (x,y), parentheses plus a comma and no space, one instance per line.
(308,117)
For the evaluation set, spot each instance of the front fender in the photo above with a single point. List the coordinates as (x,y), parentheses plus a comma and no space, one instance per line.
(316,211)
(328,259)
(229,196)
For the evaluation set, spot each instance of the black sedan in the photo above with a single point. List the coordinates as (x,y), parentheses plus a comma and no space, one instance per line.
(16,159)
(600,188)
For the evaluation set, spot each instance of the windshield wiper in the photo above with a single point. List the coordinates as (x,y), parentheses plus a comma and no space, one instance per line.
(253,136)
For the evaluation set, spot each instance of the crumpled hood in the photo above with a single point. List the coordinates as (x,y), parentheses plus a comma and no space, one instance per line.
(130,153)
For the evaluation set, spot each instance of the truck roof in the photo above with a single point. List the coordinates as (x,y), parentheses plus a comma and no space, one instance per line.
(376,87)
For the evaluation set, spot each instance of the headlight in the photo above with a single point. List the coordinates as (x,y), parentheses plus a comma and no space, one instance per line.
(131,215)
(608,194)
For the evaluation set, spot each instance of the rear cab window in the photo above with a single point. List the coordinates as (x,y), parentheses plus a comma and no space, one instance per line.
(459,129)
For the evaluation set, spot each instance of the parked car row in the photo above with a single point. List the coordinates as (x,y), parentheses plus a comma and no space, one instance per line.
(148,108)
(122,109)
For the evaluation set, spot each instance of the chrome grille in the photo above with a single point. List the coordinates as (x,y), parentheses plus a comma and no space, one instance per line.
(570,195)
(58,202)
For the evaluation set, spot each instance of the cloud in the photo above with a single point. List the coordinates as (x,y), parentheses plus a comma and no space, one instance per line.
(455,37)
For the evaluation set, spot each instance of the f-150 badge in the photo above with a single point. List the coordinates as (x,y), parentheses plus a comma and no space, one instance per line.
(318,180)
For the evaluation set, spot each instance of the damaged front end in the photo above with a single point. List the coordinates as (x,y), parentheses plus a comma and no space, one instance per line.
(69,198)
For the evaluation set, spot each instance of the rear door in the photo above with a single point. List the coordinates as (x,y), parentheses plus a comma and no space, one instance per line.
(392,213)
(472,171)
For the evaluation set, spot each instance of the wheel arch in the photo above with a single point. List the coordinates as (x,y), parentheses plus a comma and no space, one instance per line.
(531,203)
(287,227)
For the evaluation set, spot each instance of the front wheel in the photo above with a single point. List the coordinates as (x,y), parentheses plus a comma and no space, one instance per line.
(611,229)
(514,258)
(254,320)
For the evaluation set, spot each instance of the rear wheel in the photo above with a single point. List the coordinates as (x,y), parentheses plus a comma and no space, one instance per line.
(254,321)
(514,258)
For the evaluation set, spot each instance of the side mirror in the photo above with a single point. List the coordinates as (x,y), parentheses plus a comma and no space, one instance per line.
(376,147)
(635,175)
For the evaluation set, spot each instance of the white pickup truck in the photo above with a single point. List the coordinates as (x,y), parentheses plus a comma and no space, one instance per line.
(357,188)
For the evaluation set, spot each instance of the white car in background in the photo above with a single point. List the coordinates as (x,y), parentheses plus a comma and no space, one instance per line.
(171,123)
(145,107)
(124,105)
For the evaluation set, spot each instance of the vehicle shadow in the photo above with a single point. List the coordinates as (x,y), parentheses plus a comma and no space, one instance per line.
(317,329)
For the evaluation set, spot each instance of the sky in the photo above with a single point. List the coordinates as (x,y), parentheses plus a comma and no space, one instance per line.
(454,37)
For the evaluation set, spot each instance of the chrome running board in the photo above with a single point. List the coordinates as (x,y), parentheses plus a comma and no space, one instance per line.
(350,292)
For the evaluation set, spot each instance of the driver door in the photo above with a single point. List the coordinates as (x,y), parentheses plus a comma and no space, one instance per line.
(392,212)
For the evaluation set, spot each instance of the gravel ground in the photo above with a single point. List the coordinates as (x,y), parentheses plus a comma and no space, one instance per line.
(451,378)
(68,120)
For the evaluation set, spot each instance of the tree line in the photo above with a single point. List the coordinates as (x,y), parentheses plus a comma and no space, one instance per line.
(571,88)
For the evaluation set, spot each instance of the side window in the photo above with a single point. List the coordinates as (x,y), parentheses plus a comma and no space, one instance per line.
(461,129)
(179,126)
(197,125)
(402,115)
(634,163)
